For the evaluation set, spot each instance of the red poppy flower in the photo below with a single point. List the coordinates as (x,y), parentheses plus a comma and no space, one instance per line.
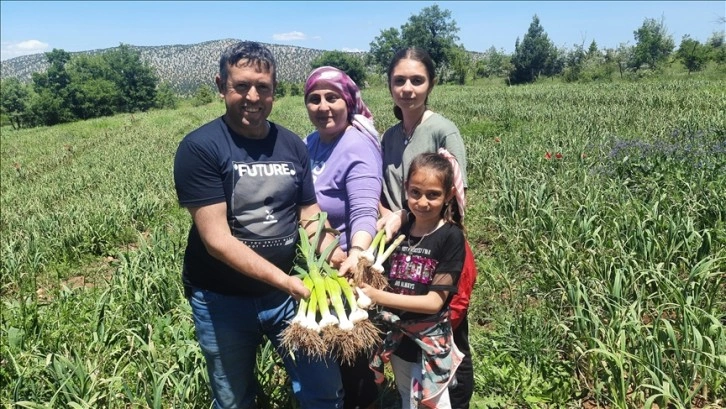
(558,155)
(548,156)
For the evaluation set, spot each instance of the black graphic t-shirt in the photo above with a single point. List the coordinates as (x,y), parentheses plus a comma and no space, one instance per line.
(412,269)
(415,262)
(263,183)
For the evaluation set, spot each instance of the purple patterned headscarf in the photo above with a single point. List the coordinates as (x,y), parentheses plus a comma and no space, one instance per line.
(358,113)
(343,84)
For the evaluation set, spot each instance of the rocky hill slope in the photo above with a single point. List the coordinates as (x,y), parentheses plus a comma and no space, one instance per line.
(184,67)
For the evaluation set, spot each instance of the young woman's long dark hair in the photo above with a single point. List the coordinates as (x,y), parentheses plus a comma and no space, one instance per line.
(416,54)
(434,163)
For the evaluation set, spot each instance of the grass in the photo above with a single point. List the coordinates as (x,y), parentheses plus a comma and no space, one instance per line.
(596,216)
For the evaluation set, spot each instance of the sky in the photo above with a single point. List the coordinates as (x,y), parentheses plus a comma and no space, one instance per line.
(30,27)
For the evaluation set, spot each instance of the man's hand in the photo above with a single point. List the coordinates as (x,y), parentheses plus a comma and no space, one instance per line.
(296,288)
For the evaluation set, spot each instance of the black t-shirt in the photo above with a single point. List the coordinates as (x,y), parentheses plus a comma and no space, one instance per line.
(414,264)
(263,183)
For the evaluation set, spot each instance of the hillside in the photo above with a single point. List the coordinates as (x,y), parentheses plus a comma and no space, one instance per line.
(184,67)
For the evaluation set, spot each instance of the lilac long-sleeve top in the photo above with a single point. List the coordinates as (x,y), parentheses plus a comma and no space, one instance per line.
(347,173)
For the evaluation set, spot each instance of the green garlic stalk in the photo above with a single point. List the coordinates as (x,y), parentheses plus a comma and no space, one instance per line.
(383,255)
(334,292)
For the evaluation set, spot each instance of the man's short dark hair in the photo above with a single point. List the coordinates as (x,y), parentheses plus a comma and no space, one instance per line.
(254,52)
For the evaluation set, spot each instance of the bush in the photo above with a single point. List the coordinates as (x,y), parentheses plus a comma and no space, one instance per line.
(203,96)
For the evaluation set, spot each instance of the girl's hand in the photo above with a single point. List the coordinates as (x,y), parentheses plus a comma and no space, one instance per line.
(369,291)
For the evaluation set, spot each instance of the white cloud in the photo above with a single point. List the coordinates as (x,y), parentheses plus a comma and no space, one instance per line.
(15,49)
(291,36)
(32,45)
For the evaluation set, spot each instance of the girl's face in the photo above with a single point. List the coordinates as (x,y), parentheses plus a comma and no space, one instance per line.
(410,84)
(327,111)
(426,196)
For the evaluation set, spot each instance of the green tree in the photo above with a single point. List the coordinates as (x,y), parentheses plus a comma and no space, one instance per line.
(623,57)
(47,109)
(435,31)
(574,62)
(84,67)
(136,80)
(14,101)
(536,55)
(718,47)
(432,29)
(281,89)
(460,65)
(165,97)
(57,76)
(203,96)
(88,86)
(590,65)
(496,63)
(653,44)
(384,47)
(351,64)
(92,98)
(50,104)
(692,54)
(295,89)
(592,50)
(91,93)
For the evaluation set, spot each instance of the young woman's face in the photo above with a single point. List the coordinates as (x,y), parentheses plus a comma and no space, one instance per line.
(327,111)
(410,84)
(425,195)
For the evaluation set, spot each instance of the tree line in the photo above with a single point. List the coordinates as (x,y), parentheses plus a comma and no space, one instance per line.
(117,81)
(84,86)
(536,56)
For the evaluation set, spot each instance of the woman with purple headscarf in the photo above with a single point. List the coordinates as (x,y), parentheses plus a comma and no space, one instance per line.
(345,153)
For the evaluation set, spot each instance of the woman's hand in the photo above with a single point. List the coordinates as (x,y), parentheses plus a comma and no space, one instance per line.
(350,264)
(337,257)
(392,223)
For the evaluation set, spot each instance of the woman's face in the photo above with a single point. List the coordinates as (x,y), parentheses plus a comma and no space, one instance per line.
(327,111)
(410,84)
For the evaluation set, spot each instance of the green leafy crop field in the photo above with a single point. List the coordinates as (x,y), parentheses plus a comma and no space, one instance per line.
(597,214)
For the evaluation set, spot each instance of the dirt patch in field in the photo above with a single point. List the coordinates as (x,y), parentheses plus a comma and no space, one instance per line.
(591,403)
(97,274)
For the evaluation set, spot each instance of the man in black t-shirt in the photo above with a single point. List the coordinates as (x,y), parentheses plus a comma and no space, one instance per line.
(247,183)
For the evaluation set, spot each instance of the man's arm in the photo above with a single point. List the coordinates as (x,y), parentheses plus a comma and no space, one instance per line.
(211,221)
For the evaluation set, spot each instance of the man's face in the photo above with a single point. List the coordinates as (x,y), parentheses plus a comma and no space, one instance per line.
(248,94)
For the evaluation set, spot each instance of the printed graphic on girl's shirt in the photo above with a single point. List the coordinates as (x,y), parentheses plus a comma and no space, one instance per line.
(410,272)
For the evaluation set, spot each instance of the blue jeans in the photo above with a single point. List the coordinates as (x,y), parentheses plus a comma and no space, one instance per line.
(229,329)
